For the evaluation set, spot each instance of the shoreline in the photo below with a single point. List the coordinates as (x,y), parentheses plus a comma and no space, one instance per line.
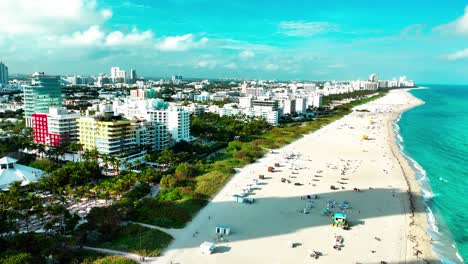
(420,239)
(406,239)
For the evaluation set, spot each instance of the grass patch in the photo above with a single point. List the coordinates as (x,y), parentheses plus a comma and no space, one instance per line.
(168,214)
(138,239)
(113,260)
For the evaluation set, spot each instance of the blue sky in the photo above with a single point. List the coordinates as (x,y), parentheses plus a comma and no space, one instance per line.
(313,40)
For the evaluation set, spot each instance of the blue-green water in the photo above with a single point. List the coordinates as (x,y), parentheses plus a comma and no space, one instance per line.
(434,136)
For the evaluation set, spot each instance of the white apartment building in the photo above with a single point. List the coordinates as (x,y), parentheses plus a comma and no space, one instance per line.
(289,106)
(245,102)
(301,105)
(176,119)
(179,123)
(151,135)
(118,74)
(272,117)
(315,101)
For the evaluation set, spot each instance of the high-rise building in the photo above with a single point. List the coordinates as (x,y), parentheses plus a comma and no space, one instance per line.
(118,75)
(245,102)
(133,76)
(44,92)
(151,135)
(176,119)
(265,105)
(179,123)
(176,79)
(55,128)
(115,72)
(301,105)
(289,106)
(374,77)
(3,74)
(244,88)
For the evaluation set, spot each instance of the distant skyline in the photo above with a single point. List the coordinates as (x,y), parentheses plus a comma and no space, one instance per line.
(297,39)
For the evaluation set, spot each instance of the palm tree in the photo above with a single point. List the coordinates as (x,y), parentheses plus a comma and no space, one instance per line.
(94,154)
(86,155)
(139,163)
(40,149)
(105,160)
(128,166)
(116,163)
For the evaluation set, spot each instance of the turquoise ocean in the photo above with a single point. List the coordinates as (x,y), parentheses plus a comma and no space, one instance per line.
(434,138)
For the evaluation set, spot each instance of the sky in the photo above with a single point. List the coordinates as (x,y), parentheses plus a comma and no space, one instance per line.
(254,39)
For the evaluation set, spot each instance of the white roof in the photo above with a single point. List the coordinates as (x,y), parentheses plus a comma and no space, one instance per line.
(21,173)
(7,160)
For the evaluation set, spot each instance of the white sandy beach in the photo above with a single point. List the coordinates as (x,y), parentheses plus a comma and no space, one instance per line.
(382,227)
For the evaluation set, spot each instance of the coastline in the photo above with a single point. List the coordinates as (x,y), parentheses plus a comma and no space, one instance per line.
(405,222)
(420,241)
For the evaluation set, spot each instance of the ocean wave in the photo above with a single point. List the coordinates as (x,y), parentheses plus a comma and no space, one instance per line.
(441,246)
(432,221)
(442,179)
(400,138)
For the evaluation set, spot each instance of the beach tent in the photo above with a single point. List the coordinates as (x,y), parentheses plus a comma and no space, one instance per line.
(207,247)
(223,230)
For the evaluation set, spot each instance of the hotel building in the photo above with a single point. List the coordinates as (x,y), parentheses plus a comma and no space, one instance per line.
(44,92)
(55,128)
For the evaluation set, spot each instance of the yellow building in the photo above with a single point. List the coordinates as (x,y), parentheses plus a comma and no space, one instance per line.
(111,137)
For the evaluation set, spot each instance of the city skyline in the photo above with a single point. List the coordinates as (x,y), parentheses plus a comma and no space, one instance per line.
(339,41)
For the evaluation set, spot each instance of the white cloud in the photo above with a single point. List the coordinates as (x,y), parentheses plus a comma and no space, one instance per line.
(93,35)
(211,64)
(231,66)
(106,14)
(180,43)
(49,16)
(271,67)
(305,29)
(459,26)
(116,38)
(463,54)
(246,54)
(232,44)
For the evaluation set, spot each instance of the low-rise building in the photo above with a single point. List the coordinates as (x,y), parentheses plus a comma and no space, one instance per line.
(11,171)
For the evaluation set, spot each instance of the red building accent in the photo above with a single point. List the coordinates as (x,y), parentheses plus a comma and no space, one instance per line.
(40,128)
(41,132)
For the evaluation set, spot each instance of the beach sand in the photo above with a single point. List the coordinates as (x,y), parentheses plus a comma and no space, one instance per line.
(387,218)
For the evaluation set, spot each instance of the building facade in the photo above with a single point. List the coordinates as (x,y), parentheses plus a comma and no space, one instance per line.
(44,92)
(178,123)
(3,74)
(55,128)
(112,137)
